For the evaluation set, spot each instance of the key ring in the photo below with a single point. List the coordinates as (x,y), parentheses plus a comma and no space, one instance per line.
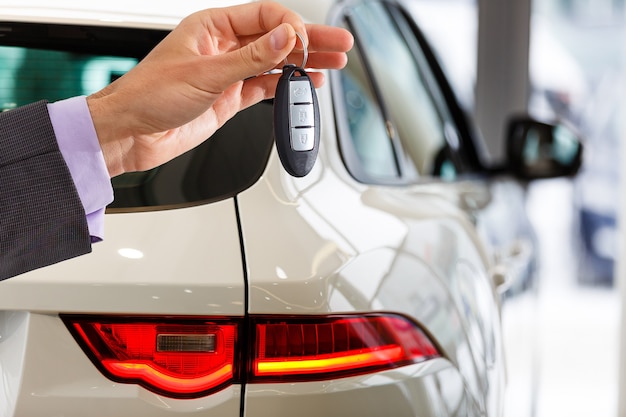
(305,51)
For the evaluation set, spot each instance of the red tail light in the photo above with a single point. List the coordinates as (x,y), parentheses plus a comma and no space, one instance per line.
(314,348)
(180,359)
(189,358)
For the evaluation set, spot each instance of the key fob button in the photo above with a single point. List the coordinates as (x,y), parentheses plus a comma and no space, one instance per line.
(302,115)
(302,139)
(300,92)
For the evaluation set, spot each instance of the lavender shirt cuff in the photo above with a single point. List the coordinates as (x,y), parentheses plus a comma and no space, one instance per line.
(80,148)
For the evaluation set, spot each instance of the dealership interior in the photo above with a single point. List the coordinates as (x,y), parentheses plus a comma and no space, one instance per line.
(563,330)
(576,73)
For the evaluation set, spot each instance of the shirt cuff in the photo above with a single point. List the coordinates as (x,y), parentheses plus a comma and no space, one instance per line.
(78,143)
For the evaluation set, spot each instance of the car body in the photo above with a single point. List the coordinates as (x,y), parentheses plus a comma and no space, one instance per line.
(227,287)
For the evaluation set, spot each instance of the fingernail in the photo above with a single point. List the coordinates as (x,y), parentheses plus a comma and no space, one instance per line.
(279,38)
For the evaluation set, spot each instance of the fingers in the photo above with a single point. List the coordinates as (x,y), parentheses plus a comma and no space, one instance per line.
(265,34)
(254,18)
(250,60)
(268,52)
(326,47)
(324,38)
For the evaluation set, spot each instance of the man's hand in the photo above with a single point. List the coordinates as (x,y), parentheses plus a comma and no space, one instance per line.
(210,67)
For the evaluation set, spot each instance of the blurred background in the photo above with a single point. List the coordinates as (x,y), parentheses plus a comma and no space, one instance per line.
(572,319)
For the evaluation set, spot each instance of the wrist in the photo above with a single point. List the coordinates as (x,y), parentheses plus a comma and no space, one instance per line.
(108,131)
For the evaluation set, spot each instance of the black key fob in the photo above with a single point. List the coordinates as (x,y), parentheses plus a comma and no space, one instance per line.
(296,121)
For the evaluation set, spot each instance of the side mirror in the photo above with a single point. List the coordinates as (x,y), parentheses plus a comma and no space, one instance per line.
(542,150)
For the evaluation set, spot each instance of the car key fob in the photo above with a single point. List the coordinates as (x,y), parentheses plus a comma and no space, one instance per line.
(296,121)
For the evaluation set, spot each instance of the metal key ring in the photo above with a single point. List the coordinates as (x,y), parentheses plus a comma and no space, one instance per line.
(305,51)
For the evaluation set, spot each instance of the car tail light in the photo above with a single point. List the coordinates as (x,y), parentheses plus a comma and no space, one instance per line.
(175,358)
(313,348)
(189,358)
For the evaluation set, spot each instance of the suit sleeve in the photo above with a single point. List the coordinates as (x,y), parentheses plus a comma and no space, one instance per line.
(42,220)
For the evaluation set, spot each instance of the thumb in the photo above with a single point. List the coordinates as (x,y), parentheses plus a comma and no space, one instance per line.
(256,57)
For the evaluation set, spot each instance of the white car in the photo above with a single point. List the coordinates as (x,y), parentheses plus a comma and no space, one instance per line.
(227,287)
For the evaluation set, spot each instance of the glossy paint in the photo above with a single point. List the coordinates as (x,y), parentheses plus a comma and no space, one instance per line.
(190,264)
(360,248)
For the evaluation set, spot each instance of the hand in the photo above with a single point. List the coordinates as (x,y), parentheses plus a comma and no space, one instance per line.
(212,65)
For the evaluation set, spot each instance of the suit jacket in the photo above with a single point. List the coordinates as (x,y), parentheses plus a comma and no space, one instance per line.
(42,220)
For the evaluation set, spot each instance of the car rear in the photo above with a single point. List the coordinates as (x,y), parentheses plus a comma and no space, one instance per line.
(171,263)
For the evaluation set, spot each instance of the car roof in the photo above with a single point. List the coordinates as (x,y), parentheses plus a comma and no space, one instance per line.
(111,12)
(134,13)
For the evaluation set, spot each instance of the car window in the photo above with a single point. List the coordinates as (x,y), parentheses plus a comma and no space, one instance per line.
(28,73)
(398,124)
(366,121)
(54,62)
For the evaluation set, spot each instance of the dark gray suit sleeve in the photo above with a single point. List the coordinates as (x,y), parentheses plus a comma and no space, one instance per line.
(42,220)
